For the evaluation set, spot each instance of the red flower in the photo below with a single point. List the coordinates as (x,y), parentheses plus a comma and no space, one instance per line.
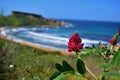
(74,43)
(113,41)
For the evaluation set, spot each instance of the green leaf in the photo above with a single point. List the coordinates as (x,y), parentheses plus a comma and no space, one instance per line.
(81,66)
(107,65)
(60,77)
(88,51)
(59,67)
(56,74)
(116,60)
(110,74)
(67,66)
(99,43)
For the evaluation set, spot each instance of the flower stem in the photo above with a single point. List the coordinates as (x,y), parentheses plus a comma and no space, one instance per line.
(91,72)
(87,68)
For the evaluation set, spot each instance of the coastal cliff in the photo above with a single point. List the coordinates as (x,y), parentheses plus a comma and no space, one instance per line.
(18,18)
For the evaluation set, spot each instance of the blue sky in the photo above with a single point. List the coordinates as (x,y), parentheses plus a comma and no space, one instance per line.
(101,10)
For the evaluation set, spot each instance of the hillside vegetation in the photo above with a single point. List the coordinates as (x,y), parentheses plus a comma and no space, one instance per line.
(19,62)
(28,19)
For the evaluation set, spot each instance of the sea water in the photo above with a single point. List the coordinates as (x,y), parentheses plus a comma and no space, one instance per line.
(91,32)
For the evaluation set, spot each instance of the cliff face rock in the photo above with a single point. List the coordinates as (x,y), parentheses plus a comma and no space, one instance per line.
(36,17)
(30,15)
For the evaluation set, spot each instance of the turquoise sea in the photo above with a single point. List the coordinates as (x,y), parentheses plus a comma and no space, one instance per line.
(91,32)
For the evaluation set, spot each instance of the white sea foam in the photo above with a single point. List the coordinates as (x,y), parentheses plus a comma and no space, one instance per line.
(93,41)
(48,38)
(18,29)
(60,40)
(70,25)
(44,37)
(3,32)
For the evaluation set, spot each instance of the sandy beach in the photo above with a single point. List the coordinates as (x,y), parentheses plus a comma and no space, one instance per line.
(63,52)
(25,43)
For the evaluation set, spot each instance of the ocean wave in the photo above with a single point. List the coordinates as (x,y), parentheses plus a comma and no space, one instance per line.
(46,39)
(93,41)
(69,26)
(18,29)
(12,30)
(59,40)
(2,32)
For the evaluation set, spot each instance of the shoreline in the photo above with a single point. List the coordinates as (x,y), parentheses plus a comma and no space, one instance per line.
(25,43)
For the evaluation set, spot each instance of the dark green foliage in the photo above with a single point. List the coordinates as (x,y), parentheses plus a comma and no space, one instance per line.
(22,20)
(2,20)
(110,74)
(107,65)
(2,57)
(30,63)
(67,67)
(116,60)
(2,43)
(59,67)
(12,21)
(54,75)
(81,66)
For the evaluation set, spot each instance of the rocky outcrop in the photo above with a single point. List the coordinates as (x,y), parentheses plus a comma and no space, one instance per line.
(27,14)
(31,16)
